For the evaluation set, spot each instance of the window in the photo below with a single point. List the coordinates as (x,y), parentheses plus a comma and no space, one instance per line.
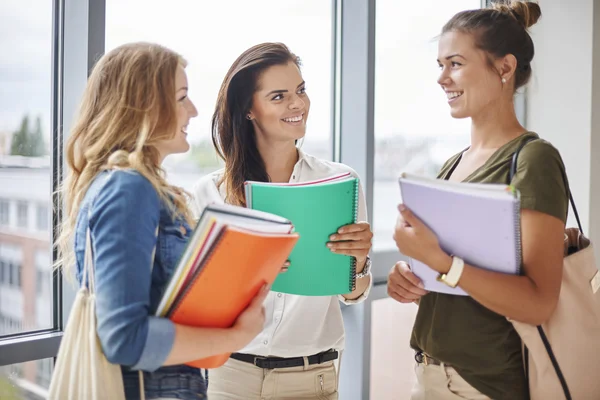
(26,67)
(22,211)
(3,273)
(414,131)
(305,26)
(44,370)
(4,212)
(26,381)
(42,217)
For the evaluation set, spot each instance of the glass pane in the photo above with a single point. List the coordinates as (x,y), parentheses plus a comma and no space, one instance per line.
(27,381)
(414,131)
(210,36)
(25,168)
(392,359)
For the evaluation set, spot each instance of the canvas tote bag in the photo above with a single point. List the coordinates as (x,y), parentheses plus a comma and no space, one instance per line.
(81,370)
(562,356)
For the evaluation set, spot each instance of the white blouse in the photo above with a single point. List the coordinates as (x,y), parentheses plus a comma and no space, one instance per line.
(295,325)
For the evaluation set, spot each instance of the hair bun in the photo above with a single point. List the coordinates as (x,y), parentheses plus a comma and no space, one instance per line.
(527,13)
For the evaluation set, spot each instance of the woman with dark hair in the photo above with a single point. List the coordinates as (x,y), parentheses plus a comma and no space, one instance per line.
(466,346)
(261,113)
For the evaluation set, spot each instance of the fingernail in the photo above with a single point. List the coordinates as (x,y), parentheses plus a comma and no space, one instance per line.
(401,207)
(330,245)
(421,285)
(332,237)
(341,230)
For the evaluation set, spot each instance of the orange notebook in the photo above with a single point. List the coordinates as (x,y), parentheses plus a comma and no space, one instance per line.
(232,272)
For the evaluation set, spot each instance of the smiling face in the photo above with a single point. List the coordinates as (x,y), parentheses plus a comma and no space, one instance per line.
(280,104)
(471,84)
(185,111)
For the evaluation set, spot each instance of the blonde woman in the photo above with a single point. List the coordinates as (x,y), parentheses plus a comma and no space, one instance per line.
(134,113)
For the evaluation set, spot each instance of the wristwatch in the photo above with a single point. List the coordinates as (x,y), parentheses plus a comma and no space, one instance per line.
(366,270)
(453,275)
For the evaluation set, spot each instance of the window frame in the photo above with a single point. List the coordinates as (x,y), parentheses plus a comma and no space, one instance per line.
(77,39)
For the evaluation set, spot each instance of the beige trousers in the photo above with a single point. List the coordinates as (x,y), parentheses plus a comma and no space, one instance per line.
(441,382)
(237,380)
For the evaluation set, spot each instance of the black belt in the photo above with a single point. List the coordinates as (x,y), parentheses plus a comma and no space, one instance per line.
(278,362)
(423,358)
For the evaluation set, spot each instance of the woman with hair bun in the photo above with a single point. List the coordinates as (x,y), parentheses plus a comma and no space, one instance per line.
(466,347)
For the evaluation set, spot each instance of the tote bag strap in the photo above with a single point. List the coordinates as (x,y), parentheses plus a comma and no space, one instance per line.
(543,337)
(513,172)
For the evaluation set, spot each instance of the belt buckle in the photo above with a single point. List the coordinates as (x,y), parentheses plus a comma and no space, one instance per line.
(256,360)
(425,358)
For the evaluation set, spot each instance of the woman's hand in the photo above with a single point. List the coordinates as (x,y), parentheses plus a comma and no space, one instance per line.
(352,240)
(403,285)
(415,240)
(252,320)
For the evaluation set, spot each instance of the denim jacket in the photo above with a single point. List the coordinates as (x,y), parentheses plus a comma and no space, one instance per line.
(123,211)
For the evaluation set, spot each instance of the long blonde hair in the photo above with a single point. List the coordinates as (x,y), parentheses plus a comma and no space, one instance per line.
(128,106)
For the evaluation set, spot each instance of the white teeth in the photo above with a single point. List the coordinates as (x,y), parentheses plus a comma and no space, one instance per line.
(294,119)
(453,95)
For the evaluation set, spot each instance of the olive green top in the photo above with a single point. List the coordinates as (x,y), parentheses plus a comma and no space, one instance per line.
(480,344)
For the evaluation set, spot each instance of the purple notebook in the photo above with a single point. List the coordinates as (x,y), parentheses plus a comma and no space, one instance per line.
(479,223)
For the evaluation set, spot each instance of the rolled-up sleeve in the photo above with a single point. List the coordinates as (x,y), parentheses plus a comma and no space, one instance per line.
(123,223)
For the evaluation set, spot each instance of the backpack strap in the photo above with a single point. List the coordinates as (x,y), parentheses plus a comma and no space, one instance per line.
(543,337)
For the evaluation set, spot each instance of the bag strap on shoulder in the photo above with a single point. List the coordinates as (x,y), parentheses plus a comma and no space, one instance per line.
(543,337)
(513,172)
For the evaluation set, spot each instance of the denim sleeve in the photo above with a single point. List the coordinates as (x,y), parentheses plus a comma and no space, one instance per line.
(123,223)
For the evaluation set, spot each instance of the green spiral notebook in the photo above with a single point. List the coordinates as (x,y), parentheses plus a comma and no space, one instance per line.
(317,209)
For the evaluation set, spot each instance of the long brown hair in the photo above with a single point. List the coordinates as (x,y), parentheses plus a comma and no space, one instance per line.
(128,106)
(232,133)
(501,29)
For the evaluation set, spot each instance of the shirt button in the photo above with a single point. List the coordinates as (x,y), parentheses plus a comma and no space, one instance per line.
(293,176)
(279,294)
(266,342)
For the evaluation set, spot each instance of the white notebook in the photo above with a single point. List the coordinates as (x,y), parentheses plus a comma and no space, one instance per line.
(479,223)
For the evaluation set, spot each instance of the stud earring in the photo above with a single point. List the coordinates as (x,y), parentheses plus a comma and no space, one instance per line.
(503,80)
(248,117)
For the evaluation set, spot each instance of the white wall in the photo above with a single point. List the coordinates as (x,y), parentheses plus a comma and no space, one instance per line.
(563,103)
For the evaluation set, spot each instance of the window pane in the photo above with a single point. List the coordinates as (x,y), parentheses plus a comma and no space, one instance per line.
(25,169)
(27,381)
(392,360)
(210,36)
(414,131)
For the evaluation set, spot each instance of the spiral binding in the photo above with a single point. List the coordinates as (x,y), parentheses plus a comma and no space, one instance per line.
(517,206)
(352,283)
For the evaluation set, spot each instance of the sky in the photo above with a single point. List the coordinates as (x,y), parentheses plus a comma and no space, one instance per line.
(210,35)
